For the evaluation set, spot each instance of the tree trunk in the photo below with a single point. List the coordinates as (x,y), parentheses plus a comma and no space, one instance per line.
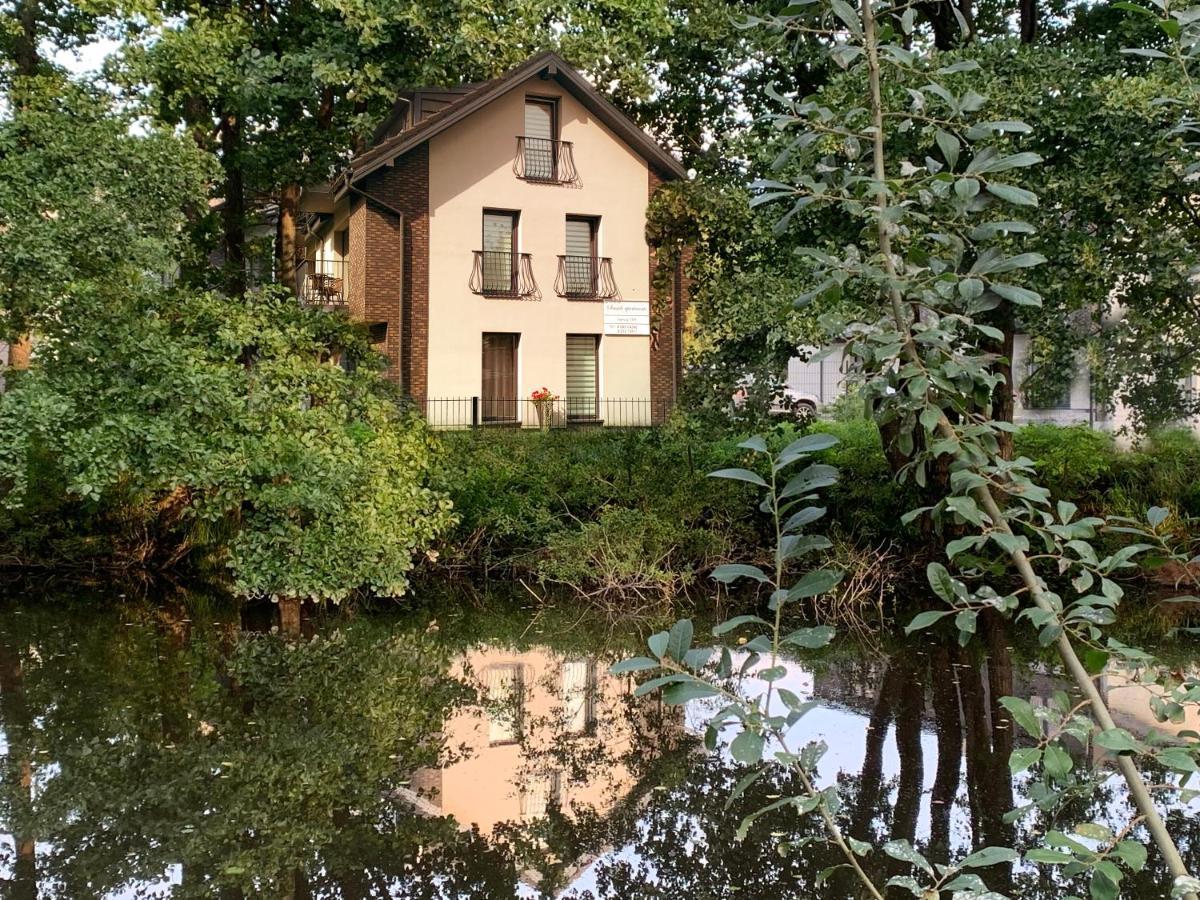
(947,32)
(287,250)
(948,726)
(1028,21)
(1002,396)
(909,707)
(289,616)
(872,771)
(18,725)
(233,212)
(25,52)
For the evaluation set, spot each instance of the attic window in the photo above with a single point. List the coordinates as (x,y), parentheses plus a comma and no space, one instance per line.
(541,156)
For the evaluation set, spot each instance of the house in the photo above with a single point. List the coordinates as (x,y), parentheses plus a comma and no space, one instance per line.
(493,239)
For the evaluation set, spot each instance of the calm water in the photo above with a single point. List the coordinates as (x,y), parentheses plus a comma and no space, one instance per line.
(477,753)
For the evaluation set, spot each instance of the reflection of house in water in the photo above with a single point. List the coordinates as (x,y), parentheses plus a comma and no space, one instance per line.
(550,731)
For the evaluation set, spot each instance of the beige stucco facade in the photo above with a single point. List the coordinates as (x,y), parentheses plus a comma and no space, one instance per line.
(489,780)
(470,170)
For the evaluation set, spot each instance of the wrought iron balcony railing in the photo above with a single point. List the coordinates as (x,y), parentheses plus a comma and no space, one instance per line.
(585,278)
(496,273)
(540,159)
(321,282)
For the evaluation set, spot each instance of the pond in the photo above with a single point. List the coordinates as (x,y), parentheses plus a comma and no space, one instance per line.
(482,750)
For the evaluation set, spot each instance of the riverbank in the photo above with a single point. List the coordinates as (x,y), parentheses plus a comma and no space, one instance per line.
(631,518)
(635,511)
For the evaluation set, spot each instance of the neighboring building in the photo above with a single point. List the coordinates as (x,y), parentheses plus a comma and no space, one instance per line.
(817,383)
(493,238)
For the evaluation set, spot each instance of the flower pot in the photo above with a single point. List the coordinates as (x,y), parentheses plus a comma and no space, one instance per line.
(545,411)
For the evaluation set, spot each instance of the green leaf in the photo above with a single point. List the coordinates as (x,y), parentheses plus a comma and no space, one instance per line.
(739,475)
(1094,660)
(658,643)
(636,664)
(959,545)
(965,623)
(811,638)
(1132,854)
(1095,831)
(1057,761)
(814,583)
(1118,740)
(1050,857)
(731,572)
(903,851)
(1011,194)
(736,622)
(1010,543)
(684,692)
(810,443)
(941,581)
(1023,758)
(1023,714)
(925,619)
(1178,759)
(756,443)
(1018,295)
(803,517)
(989,856)
(1102,887)
(1156,515)
(949,145)
(747,747)
(679,640)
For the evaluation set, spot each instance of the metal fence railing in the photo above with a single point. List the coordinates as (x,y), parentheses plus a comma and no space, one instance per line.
(585,278)
(541,159)
(321,282)
(567,412)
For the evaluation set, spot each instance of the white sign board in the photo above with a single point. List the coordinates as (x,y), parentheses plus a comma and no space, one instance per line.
(627,317)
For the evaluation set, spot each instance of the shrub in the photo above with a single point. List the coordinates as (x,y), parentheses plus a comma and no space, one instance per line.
(546,504)
(1072,459)
(181,422)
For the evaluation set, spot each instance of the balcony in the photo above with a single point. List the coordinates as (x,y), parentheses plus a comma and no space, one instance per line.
(322,282)
(497,273)
(585,278)
(545,161)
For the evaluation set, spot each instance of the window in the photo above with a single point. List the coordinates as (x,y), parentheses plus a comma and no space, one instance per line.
(541,133)
(499,388)
(579,695)
(499,251)
(505,698)
(583,376)
(343,243)
(579,263)
(1047,386)
(539,793)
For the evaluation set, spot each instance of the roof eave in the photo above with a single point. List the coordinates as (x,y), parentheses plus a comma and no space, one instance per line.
(562,72)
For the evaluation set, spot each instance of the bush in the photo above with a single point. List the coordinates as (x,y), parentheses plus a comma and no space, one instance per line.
(1071,459)
(556,505)
(182,423)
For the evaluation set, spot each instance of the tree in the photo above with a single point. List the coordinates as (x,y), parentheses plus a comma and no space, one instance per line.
(172,420)
(284,93)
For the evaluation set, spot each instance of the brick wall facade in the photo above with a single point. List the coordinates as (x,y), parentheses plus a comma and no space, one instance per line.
(668,311)
(393,259)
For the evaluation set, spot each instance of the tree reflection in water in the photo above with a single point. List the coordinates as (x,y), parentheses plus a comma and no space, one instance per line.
(147,754)
(925,703)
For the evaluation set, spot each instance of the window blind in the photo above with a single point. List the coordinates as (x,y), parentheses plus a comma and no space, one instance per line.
(539,120)
(582,375)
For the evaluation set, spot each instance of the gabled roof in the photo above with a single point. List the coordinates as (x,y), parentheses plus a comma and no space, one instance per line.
(548,65)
